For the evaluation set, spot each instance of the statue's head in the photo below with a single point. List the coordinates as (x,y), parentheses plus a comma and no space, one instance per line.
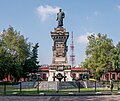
(60,10)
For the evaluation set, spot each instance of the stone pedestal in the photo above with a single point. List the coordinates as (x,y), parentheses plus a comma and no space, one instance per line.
(60,69)
(66,75)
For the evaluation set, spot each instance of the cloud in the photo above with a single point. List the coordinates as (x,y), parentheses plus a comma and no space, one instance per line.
(118,6)
(46,11)
(82,39)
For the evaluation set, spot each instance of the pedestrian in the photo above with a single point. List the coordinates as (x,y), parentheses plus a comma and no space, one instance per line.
(111,86)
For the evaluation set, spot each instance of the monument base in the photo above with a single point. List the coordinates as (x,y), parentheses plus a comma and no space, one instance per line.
(50,85)
(60,73)
(54,73)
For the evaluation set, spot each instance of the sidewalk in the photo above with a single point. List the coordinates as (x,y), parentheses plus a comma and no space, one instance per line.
(80,94)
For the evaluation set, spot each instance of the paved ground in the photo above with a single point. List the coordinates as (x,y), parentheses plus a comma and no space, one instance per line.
(61,98)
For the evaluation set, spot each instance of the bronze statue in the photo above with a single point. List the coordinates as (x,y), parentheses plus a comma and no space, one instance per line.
(60,16)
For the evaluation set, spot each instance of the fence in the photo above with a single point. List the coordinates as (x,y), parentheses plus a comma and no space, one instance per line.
(35,88)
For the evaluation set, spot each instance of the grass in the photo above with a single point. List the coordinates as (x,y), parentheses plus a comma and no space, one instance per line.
(33,91)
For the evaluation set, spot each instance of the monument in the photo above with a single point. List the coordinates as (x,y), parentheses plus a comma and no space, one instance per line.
(60,70)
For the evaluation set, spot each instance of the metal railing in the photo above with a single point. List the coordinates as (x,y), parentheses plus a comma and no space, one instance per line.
(30,88)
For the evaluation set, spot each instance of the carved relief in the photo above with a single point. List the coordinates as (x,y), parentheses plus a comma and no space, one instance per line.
(60,48)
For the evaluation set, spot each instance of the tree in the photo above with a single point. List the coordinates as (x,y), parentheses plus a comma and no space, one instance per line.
(34,57)
(116,56)
(99,54)
(14,50)
(31,64)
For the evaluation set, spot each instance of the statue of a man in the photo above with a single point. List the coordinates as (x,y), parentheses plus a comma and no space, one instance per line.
(60,16)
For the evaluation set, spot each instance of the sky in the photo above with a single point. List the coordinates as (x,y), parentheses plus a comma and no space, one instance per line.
(35,19)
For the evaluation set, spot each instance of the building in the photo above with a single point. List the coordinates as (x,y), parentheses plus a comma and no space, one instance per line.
(111,75)
(76,73)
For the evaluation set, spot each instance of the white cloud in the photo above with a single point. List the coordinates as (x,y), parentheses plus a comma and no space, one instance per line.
(118,6)
(46,11)
(82,39)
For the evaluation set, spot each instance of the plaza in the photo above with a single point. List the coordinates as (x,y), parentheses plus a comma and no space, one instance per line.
(61,98)
(59,50)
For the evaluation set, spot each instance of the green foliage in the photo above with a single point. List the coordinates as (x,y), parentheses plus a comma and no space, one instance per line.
(14,50)
(99,53)
(31,64)
(35,56)
(117,56)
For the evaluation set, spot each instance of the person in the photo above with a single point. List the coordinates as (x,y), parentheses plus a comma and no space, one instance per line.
(111,86)
(60,16)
